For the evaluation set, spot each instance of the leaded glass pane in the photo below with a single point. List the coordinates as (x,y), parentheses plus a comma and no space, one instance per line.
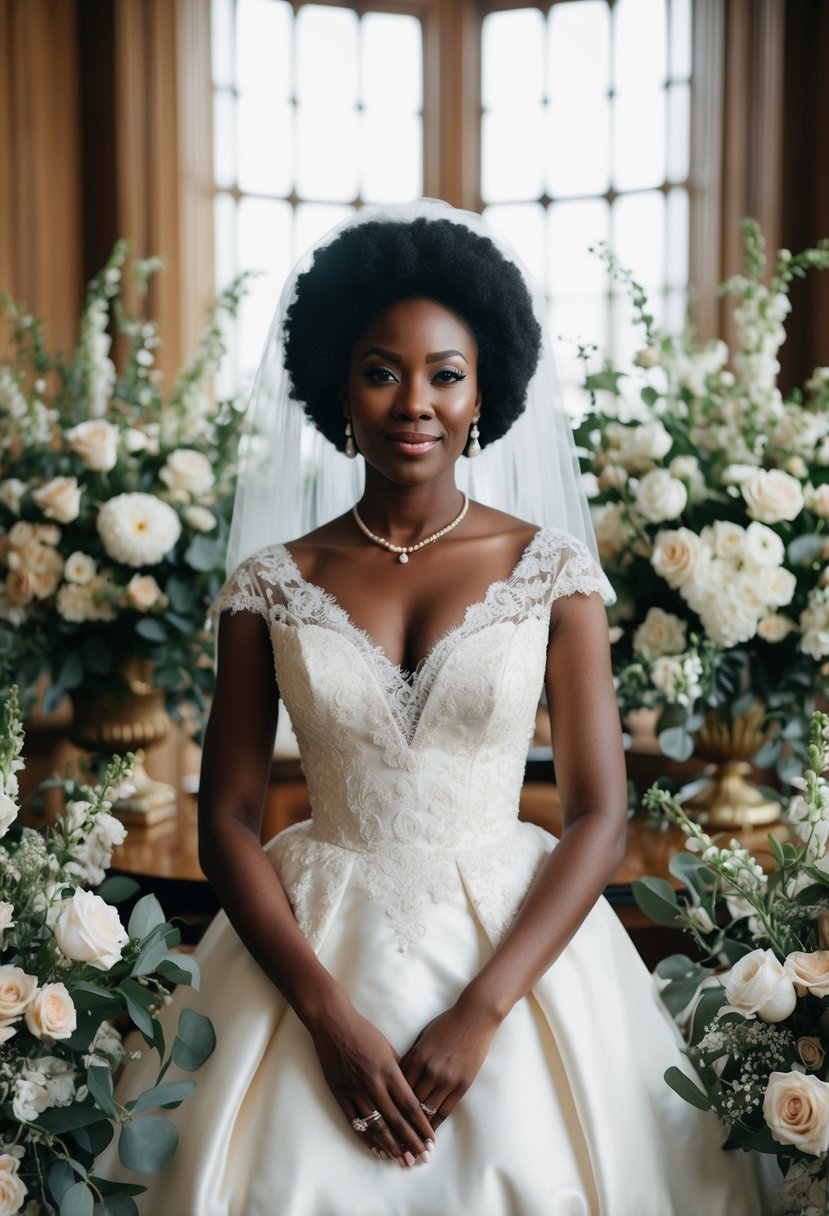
(392,62)
(578,55)
(512,59)
(638,235)
(312,221)
(327,55)
(391,156)
(327,153)
(264,242)
(681,39)
(572,228)
(578,147)
(678,220)
(263,146)
(640,39)
(523,226)
(679,132)
(222,19)
(512,167)
(224,139)
(639,139)
(263,48)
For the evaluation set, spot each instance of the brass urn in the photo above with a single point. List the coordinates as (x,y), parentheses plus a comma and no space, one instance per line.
(731,800)
(106,721)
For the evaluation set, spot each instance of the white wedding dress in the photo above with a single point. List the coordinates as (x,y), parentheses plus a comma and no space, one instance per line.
(408,874)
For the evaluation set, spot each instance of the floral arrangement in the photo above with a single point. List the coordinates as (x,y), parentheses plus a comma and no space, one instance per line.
(756,1008)
(710,500)
(67,968)
(114,505)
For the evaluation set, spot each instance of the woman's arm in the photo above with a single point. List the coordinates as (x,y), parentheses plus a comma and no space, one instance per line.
(359,1065)
(590,774)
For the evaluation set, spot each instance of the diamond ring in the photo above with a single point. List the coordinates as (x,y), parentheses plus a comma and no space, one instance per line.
(362,1125)
(428,1110)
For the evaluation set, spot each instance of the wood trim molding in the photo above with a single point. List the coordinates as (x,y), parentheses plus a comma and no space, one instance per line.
(41,232)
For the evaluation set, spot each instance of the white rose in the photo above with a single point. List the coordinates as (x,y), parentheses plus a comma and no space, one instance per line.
(757,984)
(643,445)
(661,496)
(736,474)
(6,916)
(59,499)
(763,545)
(660,633)
(74,603)
(610,528)
(31,1094)
(612,477)
(772,495)
(6,1033)
(13,1190)
(143,591)
(8,812)
(817,499)
(134,440)
(675,555)
(79,568)
(202,520)
(796,1111)
(138,529)
(727,606)
(774,628)
(96,442)
(51,1013)
(16,991)
(11,492)
(88,930)
(809,971)
(726,539)
(777,586)
(186,469)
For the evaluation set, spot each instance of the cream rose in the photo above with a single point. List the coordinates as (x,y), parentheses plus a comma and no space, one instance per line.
(96,442)
(728,540)
(6,916)
(13,1189)
(11,492)
(186,469)
(51,1013)
(772,495)
(810,1051)
(641,446)
(675,555)
(796,1111)
(777,586)
(20,586)
(661,496)
(823,930)
(16,991)
(809,971)
(59,499)
(757,984)
(143,591)
(763,545)
(202,520)
(660,633)
(610,528)
(88,930)
(775,628)
(8,812)
(79,568)
(817,499)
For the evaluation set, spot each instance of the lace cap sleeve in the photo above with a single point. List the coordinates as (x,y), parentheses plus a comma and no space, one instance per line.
(244,591)
(576,569)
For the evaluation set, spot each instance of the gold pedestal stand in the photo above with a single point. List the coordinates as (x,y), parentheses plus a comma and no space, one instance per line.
(731,800)
(105,722)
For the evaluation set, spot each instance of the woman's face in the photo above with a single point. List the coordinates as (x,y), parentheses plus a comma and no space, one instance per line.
(412,390)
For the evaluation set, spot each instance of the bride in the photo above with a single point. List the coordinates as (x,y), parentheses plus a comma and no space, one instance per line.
(423,1006)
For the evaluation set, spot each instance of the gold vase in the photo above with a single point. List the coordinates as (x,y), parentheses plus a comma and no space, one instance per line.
(107,722)
(731,800)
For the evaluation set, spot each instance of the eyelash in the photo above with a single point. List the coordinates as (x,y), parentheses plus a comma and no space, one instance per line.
(456,375)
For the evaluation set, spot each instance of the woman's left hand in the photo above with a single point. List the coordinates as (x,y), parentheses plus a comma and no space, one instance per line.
(445,1058)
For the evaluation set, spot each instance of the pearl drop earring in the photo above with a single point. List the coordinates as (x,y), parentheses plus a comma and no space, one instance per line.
(350,445)
(473,448)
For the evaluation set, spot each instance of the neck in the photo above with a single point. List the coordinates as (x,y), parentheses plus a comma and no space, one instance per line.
(404,514)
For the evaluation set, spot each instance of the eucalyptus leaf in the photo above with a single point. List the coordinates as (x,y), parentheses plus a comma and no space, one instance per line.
(195,1040)
(170,1093)
(692,872)
(99,1080)
(116,888)
(94,1138)
(77,1201)
(657,899)
(116,1205)
(151,629)
(181,969)
(71,672)
(61,1176)
(149,958)
(139,1001)
(804,549)
(675,967)
(146,916)
(61,1119)
(705,1010)
(676,743)
(147,1144)
(685,1087)
(677,995)
(204,554)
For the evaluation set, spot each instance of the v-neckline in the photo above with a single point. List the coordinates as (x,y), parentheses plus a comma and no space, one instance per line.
(411,677)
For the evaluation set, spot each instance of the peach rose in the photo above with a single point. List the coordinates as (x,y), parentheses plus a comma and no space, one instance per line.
(772,495)
(51,1013)
(188,470)
(809,971)
(20,586)
(143,591)
(675,555)
(59,499)
(96,442)
(16,992)
(12,1187)
(796,1111)
(810,1050)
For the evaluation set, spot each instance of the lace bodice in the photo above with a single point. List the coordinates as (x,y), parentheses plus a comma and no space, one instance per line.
(413,776)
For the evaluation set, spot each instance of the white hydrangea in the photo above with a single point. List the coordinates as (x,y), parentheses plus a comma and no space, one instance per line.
(138,529)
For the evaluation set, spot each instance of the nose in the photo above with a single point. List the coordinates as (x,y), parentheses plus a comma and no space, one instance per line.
(412,398)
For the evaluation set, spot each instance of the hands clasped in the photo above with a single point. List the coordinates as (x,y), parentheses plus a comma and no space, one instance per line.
(395,1104)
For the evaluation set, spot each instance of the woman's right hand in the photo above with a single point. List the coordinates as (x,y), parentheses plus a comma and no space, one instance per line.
(362,1070)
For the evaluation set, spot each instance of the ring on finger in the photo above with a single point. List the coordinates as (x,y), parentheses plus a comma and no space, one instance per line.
(363,1125)
(428,1110)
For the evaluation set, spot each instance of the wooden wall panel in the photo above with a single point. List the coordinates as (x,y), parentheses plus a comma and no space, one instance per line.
(41,227)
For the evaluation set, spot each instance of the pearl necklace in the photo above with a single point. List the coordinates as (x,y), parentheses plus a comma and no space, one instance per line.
(405,550)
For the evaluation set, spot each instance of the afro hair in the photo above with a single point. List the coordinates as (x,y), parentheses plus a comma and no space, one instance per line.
(375,264)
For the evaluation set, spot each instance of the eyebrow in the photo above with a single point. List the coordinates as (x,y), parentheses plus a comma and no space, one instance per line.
(393,357)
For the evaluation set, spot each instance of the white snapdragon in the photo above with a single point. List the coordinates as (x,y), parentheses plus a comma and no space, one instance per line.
(814,624)
(678,678)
